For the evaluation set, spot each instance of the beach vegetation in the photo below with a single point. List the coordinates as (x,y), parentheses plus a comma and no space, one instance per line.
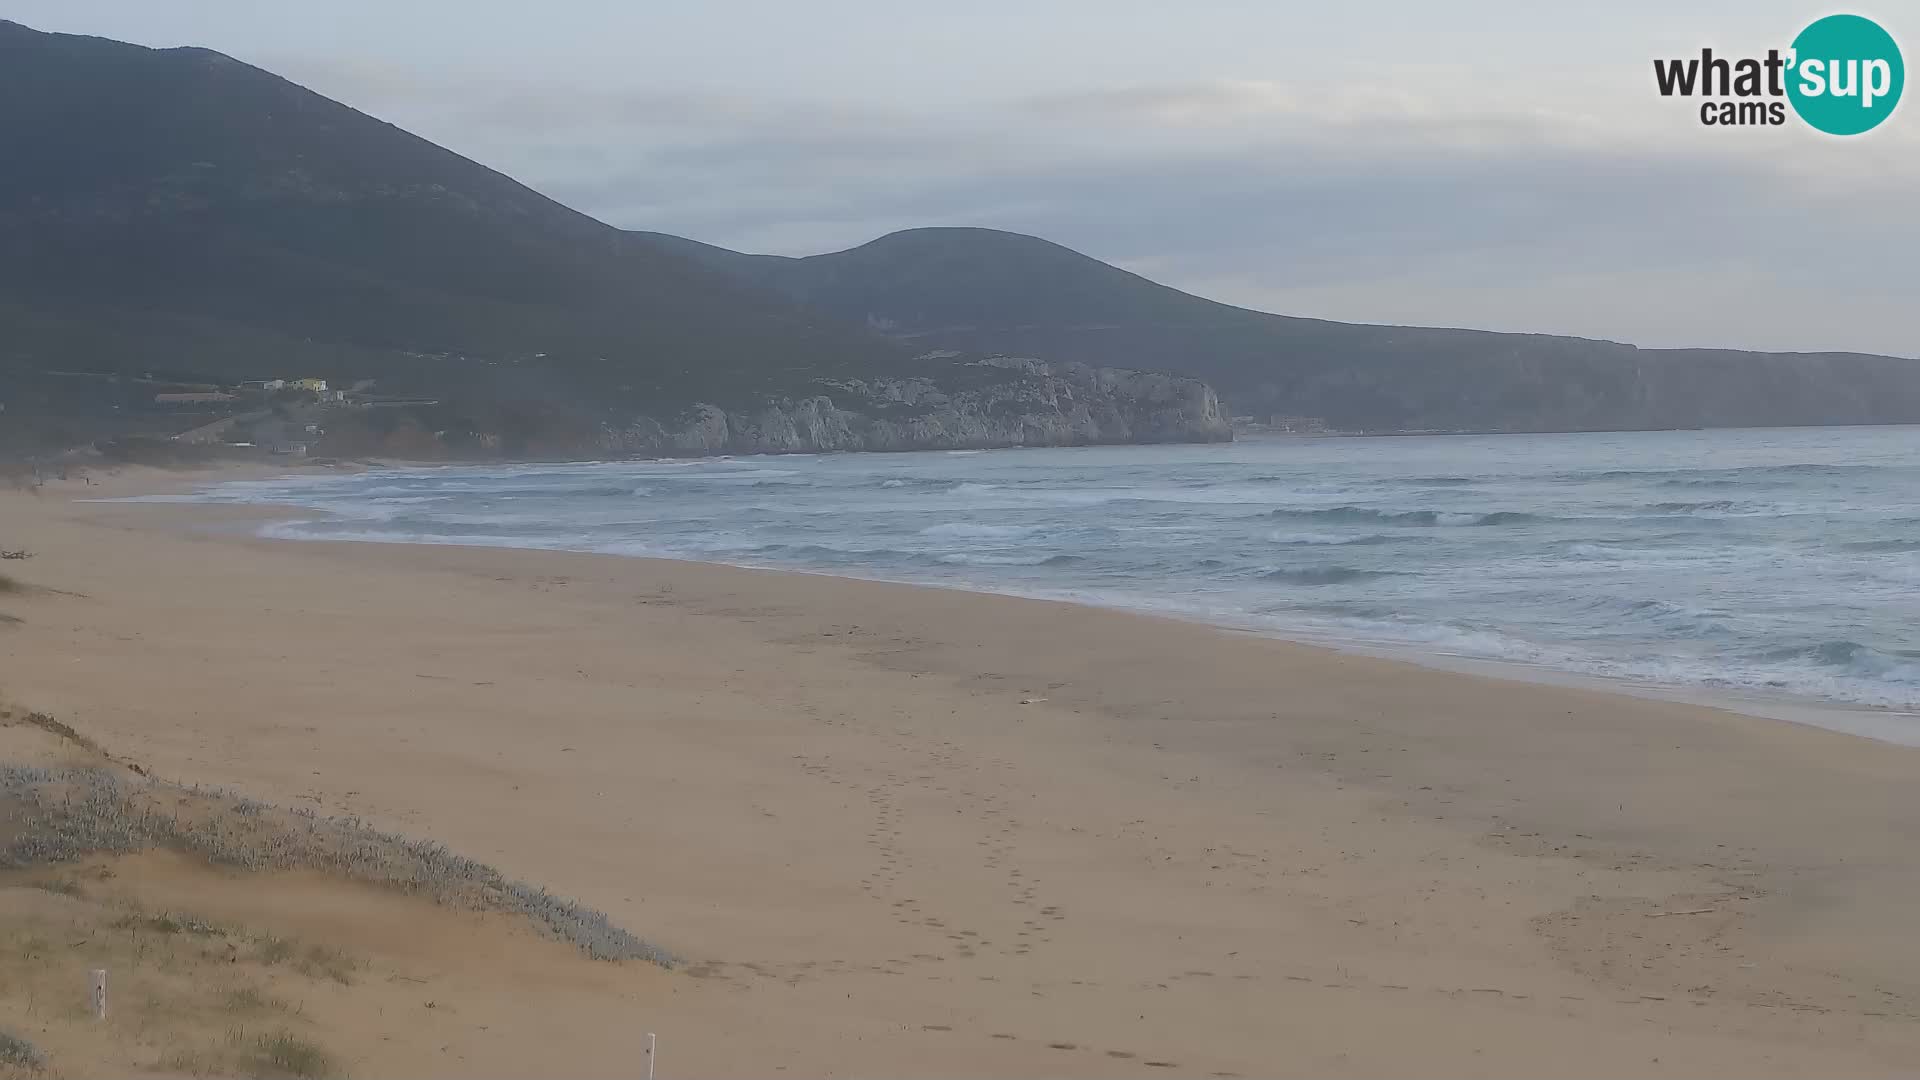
(250,1000)
(18,1053)
(65,814)
(284,1053)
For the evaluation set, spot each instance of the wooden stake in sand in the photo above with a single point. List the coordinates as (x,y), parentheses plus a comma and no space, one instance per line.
(98,992)
(651,1043)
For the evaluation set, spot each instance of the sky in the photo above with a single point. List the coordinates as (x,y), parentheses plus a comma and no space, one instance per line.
(1486,163)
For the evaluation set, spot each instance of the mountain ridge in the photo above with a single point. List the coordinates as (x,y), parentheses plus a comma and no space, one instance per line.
(181,213)
(989,290)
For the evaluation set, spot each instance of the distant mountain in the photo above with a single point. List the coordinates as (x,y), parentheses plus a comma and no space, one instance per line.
(176,220)
(184,192)
(990,291)
(180,214)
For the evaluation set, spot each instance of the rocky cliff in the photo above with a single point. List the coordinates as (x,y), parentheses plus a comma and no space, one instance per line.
(983,291)
(990,403)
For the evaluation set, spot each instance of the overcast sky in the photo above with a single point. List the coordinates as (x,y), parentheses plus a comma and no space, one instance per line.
(1505,165)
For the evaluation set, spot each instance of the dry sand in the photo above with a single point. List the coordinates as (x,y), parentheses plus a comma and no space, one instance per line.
(916,832)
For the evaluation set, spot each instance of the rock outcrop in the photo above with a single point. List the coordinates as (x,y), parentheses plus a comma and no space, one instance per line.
(998,402)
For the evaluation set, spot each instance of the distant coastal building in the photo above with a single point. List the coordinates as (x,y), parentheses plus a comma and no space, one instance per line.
(267,386)
(317,386)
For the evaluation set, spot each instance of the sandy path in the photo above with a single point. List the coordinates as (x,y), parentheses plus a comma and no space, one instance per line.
(907,831)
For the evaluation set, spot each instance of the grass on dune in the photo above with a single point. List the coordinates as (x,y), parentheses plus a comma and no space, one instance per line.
(62,814)
(220,1000)
(18,1053)
(287,1054)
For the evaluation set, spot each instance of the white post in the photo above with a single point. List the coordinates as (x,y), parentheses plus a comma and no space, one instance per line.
(98,993)
(651,1042)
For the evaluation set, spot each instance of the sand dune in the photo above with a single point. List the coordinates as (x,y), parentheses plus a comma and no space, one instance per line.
(901,831)
(246,939)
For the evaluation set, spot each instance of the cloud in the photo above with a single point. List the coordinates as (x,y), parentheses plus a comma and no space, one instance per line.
(1356,201)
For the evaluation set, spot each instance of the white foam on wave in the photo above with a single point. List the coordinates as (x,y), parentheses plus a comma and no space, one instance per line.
(1144,529)
(975,530)
(322,529)
(1314,539)
(961,558)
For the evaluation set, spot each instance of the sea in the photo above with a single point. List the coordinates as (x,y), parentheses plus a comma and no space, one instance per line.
(1765,564)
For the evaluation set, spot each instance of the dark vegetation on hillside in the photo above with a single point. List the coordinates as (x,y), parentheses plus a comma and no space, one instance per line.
(991,291)
(181,214)
(178,221)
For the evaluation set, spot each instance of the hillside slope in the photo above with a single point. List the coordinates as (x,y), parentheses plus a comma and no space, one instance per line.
(980,289)
(178,213)
(184,196)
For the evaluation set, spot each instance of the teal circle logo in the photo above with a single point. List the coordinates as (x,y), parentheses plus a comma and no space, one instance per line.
(1846,75)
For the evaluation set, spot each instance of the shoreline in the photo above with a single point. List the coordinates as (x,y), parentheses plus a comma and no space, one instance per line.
(910,831)
(1879,723)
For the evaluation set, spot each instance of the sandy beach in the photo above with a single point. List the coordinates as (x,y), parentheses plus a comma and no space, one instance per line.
(898,831)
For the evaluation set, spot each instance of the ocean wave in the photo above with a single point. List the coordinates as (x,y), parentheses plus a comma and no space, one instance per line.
(388,493)
(1325,575)
(963,558)
(816,554)
(1809,469)
(1693,507)
(437,527)
(410,500)
(1661,574)
(1601,549)
(334,530)
(1850,657)
(1705,483)
(1668,618)
(1350,625)
(1738,472)
(1313,539)
(381,491)
(1365,515)
(1904,543)
(830,553)
(919,483)
(974,530)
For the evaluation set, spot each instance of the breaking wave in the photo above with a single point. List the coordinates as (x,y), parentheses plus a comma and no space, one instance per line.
(1788,567)
(1417,518)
